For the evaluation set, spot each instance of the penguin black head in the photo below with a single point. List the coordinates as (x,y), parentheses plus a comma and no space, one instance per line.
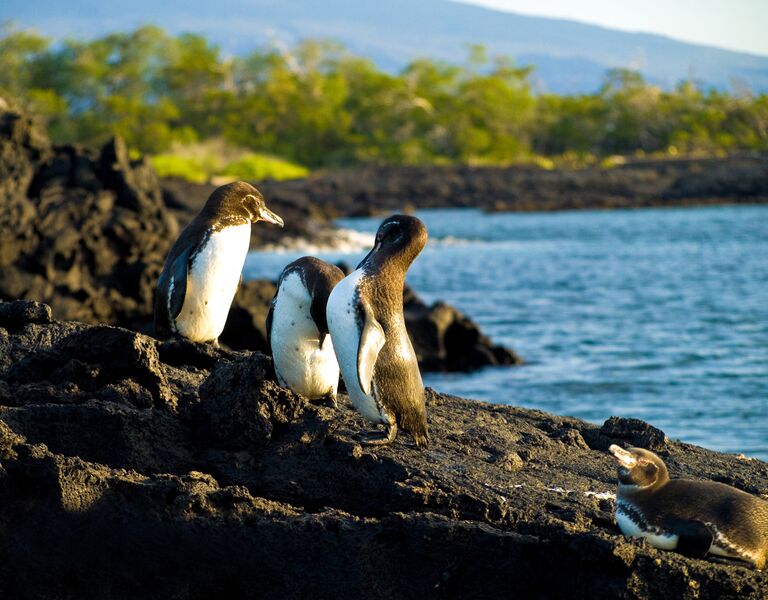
(239,201)
(399,239)
(639,470)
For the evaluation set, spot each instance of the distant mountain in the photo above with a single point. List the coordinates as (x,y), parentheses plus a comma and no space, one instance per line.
(571,56)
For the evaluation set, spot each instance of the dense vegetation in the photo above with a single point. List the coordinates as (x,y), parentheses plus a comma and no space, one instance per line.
(318,106)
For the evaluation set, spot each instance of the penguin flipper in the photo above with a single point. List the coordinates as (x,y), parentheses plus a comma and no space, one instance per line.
(694,538)
(178,283)
(317,312)
(268,324)
(170,292)
(371,341)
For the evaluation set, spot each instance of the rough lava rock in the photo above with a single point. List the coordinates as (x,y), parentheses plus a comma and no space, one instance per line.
(635,432)
(447,340)
(241,406)
(233,487)
(23,147)
(246,327)
(86,233)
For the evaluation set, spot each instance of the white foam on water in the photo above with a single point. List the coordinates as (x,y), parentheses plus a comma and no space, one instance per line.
(338,240)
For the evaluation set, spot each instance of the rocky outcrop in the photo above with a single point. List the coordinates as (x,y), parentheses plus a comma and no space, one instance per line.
(22,148)
(131,468)
(246,327)
(86,233)
(447,340)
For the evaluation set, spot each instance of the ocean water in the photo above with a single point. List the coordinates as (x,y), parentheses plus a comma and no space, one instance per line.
(658,314)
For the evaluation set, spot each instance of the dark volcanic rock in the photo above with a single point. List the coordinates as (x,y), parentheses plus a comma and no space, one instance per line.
(446,340)
(84,233)
(234,487)
(636,432)
(22,148)
(246,327)
(14,315)
(241,406)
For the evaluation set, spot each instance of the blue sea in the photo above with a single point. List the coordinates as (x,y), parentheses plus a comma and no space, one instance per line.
(658,314)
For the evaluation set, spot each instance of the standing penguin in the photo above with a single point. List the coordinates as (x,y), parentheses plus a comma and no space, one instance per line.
(203,268)
(695,518)
(297,329)
(365,318)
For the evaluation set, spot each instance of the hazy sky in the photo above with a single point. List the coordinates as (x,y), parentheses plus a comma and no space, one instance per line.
(733,24)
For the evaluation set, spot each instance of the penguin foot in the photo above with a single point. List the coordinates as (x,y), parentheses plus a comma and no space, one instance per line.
(379,438)
(330,400)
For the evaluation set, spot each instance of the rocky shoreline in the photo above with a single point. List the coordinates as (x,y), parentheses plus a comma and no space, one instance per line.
(132,468)
(367,191)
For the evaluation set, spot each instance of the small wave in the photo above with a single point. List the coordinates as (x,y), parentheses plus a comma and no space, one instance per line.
(345,241)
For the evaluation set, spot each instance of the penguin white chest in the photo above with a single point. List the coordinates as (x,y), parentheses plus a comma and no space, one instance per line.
(301,363)
(343,324)
(212,281)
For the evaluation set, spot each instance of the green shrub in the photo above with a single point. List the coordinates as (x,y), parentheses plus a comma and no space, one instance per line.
(216,161)
(257,167)
(184,167)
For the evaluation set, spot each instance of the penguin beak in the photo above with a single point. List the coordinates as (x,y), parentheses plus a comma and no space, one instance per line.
(367,256)
(362,262)
(624,457)
(267,215)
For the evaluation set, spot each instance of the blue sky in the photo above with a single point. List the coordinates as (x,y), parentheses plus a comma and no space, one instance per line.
(733,24)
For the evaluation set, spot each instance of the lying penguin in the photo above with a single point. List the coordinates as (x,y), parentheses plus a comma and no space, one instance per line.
(203,269)
(365,318)
(297,329)
(695,518)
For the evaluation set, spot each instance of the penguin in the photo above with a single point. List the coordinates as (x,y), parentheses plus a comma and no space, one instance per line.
(297,330)
(694,518)
(203,269)
(365,318)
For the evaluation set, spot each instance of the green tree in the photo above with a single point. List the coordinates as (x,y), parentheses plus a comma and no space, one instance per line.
(317,105)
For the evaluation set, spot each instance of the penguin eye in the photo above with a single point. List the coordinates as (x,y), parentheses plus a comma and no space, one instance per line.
(650,470)
(388,229)
(252,204)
